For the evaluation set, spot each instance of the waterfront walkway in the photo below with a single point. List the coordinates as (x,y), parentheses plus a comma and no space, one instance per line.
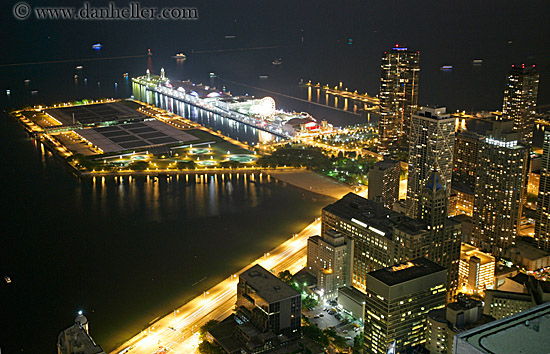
(312,182)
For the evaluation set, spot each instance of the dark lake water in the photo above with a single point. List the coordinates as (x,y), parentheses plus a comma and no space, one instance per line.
(124,252)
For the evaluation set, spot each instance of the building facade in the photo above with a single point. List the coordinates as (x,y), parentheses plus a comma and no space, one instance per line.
(326,260)
(542,221)
(397,304)
(384,182)
(465,157)
(376,237)
(77,340)
(431,147)
(269,304)
(398,96)
(499,190)
(444,324)
(520,100)
(476,271)
(445,234)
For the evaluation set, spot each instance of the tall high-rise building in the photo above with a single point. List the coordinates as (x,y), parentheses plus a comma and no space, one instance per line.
(542,222)
(466,148)
(398,96)
(326,260)
(384,182)
(499,189)
(397,304)
(445,234)
(431,147)
(520,100)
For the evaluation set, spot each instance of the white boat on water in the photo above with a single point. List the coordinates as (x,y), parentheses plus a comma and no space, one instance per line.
(7,279)
(277,61)
(179,56)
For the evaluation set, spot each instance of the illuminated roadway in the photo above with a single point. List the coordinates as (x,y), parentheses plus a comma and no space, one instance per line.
(178,331)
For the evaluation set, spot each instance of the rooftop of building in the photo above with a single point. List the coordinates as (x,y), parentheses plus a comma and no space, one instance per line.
(523,69)
(464,303)
(79,339)
(511,295)
(434,182)
(526,250)
(438,315)
(524,332)
(434,112)
(267,285)
(462,218)
(407,271)
(386,164)
(467,251)
(369,214)
(352,293)
(462,188)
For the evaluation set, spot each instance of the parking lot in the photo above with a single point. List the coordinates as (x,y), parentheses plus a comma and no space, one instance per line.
(330,316)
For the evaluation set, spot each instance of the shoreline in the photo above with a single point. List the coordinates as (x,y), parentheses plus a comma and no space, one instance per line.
(312,182)
(200,308)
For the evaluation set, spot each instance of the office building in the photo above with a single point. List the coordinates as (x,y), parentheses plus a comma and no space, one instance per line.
(515,294)
(528,256)
(542,221)
(444,245)
(268,303)
(431,147)
(465,160)
(456,317)
(465,157)
(376,237)
(500,303)
(476,271)
(397,304)
(326,260)
(384,182)
(398,96)
(520,100)
(268,315)
(499,190)
(77,340)
(524,332)
(353,301)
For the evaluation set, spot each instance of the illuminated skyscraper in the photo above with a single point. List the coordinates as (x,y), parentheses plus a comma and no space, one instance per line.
(445,234)
(520,100)
(326,259)
(430,147)
(397,304)
(499,189)
(398,96)
(542,222)
(384,182)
